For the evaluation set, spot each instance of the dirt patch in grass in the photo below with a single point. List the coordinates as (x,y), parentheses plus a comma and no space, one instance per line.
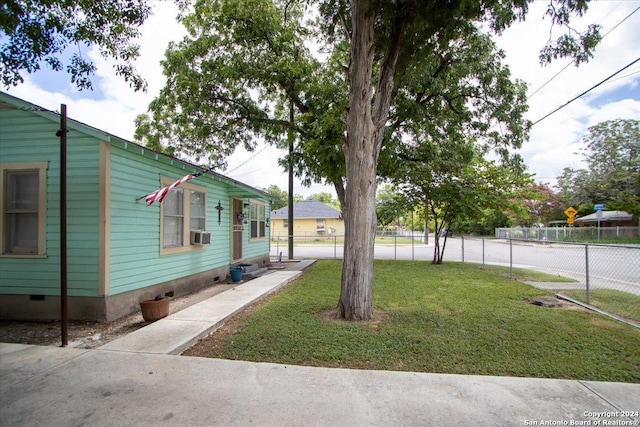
(546,301)
(379,317)
(214,342)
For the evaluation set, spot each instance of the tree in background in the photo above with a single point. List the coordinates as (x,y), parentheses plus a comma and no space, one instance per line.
(242,74)
(279,197)
(612,175)
(461,189)
(326,198)
(390,206)
(486,223)
(541,204)
(37,32)
(573,189)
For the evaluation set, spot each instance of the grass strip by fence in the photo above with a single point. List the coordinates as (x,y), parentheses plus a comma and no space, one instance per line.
(453,318)
(526,275)
(623,304)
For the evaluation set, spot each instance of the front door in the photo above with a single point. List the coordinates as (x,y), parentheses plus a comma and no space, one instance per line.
(237,228)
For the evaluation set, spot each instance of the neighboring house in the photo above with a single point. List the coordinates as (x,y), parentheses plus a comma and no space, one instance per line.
(612,224)
(608,219)
(310,218)
(120,251)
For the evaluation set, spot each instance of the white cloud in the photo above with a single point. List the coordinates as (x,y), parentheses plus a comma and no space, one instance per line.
(624,109)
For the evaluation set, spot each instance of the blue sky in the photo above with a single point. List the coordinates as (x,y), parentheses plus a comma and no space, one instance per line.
(112,106)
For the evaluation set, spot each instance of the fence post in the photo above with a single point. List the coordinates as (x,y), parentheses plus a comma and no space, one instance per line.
(483,252)
(335,246)
(510,258)
(462,238)
(586,266)
(413,258)
(395,247)
(278,244)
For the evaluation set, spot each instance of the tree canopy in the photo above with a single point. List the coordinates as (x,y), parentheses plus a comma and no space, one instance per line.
(37,33)
(231,79)
(612,172)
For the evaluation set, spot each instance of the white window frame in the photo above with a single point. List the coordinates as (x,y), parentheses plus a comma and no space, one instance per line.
(257,207)
(186,245)
(41,169)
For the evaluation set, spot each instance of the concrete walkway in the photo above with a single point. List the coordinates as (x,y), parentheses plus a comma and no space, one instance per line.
(179,331)
(136,381)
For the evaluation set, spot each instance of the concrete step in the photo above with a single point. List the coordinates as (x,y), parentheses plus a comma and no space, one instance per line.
(256,273)
(247,268)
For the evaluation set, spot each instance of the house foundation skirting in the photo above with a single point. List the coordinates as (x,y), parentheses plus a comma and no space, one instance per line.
(113,307)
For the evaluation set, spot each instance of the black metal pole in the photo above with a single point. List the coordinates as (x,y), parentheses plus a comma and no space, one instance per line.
(290,201)
(62,133)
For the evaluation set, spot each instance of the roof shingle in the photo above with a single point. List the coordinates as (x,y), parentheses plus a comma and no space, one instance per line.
(309,208)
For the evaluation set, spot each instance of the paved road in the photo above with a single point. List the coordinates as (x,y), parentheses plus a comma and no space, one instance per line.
(609,266)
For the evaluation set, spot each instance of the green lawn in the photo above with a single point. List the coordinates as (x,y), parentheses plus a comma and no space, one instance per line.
(525,275)
(623,304)
(453,318)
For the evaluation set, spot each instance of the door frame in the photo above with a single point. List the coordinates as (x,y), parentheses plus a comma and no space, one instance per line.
(237,229)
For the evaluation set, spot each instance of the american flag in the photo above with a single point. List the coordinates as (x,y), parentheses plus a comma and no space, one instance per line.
(159,194)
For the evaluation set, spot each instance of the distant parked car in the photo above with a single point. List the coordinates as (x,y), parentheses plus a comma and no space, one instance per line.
(446,232)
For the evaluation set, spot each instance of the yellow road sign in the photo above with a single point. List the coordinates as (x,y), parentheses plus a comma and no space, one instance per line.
(570,212)
(570,220)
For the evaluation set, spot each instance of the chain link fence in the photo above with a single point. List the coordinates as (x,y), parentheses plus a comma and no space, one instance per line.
(568,234)
(404,244)
(604,276)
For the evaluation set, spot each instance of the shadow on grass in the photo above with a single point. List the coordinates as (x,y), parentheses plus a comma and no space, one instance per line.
(451,318)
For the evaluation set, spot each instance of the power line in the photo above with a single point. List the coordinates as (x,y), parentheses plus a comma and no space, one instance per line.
(625,76)
(587,91)
(571,62)
(248,160)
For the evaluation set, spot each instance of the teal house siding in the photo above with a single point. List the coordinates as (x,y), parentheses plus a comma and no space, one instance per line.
(115,255)
(17,147)
(135,258)
(29,137)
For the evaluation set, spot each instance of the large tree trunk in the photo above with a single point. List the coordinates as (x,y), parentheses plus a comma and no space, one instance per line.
(365,124)
(356,302)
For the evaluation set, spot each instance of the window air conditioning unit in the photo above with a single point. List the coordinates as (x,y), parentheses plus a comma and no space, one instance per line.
(200,238)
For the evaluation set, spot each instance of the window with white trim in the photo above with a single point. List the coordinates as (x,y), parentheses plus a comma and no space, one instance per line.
(22,199)
(198,211)
(257,215)
(173,215)
(183,210)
